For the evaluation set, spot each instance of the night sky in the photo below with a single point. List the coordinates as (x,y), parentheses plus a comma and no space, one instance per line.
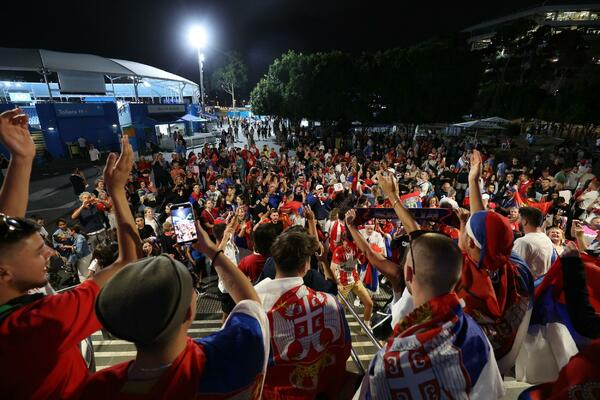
(154,32)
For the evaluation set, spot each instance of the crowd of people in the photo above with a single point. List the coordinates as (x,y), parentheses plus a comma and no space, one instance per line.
(290,234)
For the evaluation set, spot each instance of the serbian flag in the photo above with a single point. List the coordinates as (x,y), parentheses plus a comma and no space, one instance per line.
(435,352)
(542,206)
(551,339)
(577,380)
(411,200)
(368,273)
(310,341)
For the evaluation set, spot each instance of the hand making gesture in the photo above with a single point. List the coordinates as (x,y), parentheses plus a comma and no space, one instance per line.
(14,134)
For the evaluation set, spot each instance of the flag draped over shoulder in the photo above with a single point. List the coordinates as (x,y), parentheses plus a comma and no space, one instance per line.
(437,351)
(552,339)
(310,343)
(497,288)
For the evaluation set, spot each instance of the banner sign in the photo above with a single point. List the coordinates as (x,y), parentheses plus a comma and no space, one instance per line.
(79,110)
(166,108)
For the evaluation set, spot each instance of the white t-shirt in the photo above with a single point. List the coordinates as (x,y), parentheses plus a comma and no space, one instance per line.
(588,199)
(536,249)
(94,154)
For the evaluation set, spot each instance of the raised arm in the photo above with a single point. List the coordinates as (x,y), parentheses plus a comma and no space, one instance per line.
(232,226)
(236,283)
(390,188)
(116,173)
(475,199)
(388,268)
(15,136)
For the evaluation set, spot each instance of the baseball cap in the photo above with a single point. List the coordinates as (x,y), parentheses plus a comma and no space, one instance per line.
(319,187)
(146,301)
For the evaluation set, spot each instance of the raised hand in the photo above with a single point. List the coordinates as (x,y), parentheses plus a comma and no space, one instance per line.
(350,216)
(14,134)
(476,165)
(309,214)
(387,183)
(463,215)
(116,171)
(204,243)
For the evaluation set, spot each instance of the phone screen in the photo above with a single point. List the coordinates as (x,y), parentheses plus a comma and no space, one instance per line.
(184,222)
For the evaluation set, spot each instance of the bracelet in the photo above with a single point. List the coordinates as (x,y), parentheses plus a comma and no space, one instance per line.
(396,202)
(215,256)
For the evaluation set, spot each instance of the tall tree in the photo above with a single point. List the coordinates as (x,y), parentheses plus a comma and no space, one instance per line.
(231,77)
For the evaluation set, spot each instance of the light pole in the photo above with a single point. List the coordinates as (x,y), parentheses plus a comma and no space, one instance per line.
(198,38)
(201,65)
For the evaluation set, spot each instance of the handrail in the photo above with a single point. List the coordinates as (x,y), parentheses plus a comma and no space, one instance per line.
(357,362)
(364,327)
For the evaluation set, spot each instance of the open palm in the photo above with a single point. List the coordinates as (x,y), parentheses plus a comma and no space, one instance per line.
(14,134)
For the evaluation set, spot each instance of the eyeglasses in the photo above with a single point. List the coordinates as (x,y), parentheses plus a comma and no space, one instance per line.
(8,225)
(412,237)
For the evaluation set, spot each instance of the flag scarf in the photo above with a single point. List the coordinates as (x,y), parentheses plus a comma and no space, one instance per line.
(579,379)
(552,339)
(310,340)
(497,288)
(436,352)
(543,206)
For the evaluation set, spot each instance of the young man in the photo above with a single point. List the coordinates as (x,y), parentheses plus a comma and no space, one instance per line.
(535,247)
(437,351)
(310,337)
(253,264)
(48,329)
(169,364)
(344,265)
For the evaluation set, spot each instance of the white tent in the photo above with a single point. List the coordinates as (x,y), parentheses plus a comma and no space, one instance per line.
(58,61)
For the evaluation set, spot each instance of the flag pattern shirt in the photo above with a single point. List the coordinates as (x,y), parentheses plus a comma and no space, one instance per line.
(437,351)
(310,340)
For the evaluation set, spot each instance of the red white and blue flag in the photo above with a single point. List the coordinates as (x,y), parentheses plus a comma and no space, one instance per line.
(310,340)
(437,351)
(551,338)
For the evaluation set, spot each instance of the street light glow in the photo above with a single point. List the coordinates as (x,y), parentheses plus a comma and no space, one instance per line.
(198,37)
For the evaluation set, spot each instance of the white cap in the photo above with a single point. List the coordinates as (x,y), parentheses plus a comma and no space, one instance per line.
(319,187)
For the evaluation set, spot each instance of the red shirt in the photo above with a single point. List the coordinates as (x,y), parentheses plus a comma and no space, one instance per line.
(347,261)
(180,381)
(252,265)
(40,357)
(204,368)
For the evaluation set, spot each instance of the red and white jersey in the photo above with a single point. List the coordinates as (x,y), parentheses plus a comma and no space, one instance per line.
(347,274)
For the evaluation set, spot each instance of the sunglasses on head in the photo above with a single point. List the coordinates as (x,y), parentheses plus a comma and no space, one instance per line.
(413,236)
(8,225)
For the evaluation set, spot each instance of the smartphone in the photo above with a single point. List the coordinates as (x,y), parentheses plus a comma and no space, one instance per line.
(184,222)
